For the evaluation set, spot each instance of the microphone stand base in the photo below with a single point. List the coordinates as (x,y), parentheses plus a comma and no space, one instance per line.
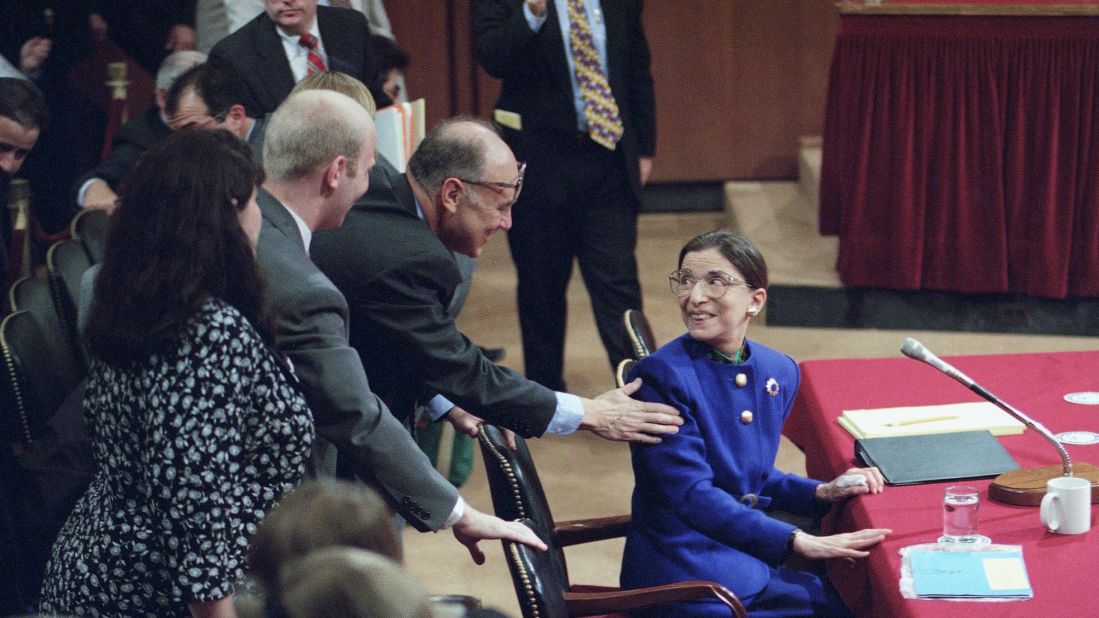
(1026,487)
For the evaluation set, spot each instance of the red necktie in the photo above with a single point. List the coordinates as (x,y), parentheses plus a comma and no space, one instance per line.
(313,62)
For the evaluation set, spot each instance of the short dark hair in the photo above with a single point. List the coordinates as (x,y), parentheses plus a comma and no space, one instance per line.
(23,102)
(218,89)
(174,242)
(740,252)
(388,54)
(446,153)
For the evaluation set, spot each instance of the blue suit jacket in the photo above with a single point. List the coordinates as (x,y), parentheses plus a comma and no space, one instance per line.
(690,517)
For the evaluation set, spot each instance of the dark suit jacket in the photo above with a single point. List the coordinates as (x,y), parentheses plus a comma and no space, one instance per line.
(311,330)
(535,74)
(399,280)
(130,142)
(254,54)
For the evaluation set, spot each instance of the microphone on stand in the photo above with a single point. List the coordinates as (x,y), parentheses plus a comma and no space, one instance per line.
(914,349)
(1024,487)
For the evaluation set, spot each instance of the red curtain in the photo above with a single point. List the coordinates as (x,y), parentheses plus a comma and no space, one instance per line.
(962,154)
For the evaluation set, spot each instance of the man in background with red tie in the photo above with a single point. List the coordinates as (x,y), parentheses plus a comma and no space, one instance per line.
(577,105)
(291,39)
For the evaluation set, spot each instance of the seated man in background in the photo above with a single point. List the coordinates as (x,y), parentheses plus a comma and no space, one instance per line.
(206,97)
(97,188)
(23,114)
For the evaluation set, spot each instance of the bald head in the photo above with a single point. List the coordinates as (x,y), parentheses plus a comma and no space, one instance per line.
(310,129)
(457,148)
(470,180)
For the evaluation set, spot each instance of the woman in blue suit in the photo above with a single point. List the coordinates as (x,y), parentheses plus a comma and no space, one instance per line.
(701,496)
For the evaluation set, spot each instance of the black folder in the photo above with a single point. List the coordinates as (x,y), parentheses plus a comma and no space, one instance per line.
(930,458)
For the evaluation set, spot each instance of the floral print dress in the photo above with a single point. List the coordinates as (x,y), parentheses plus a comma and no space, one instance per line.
(192,448)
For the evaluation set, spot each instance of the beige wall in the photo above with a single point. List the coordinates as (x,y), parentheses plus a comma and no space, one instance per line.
(737,81)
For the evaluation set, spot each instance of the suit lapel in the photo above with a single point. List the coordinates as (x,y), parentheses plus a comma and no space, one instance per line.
(553,46)
(615,21)
(278,79)
(341,49)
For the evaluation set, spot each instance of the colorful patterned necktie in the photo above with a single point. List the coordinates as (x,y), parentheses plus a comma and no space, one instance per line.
(600,109)
(313,62)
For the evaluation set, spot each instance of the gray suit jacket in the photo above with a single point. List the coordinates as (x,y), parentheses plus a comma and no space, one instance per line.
(311,330)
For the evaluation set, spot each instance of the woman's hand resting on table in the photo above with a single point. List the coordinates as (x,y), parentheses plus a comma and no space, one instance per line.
(849,545)
(849,484)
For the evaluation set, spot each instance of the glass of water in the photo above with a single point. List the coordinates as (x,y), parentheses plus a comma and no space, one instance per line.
(961,504)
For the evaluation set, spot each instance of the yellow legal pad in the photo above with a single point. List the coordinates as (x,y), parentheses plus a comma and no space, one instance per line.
(918,420)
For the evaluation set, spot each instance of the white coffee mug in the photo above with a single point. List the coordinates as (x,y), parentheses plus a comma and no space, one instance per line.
(1066,507)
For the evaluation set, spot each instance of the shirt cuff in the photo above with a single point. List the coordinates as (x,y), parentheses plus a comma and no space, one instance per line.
(84,189)
(534,21)
(566,419)
(439,406)
(455,513)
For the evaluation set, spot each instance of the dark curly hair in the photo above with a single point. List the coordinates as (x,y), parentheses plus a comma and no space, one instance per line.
(740,252)
(174,242)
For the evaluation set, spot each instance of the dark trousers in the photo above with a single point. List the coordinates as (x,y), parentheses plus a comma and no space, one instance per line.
(577,202)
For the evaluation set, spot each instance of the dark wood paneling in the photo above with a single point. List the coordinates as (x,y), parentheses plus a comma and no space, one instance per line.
(737,81)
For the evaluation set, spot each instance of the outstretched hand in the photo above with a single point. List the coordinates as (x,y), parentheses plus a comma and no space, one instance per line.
(476,526)
(849,545)
(470,425)
(614,415)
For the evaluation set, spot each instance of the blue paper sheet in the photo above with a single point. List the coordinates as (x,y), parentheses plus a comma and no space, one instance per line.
(941,574)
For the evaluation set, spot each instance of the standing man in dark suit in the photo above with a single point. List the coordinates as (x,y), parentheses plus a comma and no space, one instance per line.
(577,105)
(318,151)
(392,260)
(291,39)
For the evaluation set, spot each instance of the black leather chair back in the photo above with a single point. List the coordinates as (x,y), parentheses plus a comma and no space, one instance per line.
(640,333)
(66,262)
(517,491)
(28,381)
(90,228)
(538,587)
(34,296)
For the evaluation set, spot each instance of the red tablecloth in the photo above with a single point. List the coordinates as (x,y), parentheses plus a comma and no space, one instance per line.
(1062,569)
(961,153)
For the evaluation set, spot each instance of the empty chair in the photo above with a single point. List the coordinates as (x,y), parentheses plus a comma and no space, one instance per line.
(640,333)
(66,262)
(30,384)
(34,295)
(541,578)
(45,462)
(90,228)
